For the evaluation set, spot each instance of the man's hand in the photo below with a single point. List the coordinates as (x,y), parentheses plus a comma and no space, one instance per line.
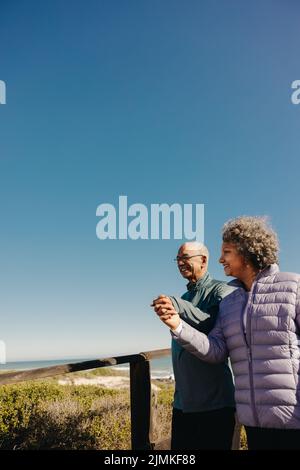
(164,309)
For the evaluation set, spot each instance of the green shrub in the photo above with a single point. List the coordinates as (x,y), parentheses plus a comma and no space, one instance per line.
(45,415)
(18,404)
(40,415)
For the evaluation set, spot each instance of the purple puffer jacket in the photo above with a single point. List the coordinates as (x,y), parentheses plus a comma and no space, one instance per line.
(265,360)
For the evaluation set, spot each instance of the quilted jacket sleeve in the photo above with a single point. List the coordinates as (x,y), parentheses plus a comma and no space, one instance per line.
(191,314)
(298,308)
(211,348)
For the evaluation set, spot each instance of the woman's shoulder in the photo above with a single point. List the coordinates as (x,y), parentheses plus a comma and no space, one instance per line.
(281,282)
(283,276)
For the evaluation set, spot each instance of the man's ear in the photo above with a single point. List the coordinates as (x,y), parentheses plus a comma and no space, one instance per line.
(204,260)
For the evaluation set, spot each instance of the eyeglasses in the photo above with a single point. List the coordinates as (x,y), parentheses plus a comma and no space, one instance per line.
(184,258)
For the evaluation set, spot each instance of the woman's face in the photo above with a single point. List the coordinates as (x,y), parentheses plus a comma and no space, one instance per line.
(233,262)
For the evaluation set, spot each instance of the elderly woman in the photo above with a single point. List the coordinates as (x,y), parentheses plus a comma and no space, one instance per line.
(258,327)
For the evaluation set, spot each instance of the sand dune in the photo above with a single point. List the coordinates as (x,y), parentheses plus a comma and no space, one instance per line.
(115,382)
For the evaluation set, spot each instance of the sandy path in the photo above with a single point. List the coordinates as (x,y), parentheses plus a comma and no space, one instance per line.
(106,381)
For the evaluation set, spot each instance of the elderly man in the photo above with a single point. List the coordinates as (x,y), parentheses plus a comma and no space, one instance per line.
(203,408)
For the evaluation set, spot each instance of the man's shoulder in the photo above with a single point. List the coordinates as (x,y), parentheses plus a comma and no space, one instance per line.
(221,288)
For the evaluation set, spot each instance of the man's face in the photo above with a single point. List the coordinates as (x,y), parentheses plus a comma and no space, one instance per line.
(189,263)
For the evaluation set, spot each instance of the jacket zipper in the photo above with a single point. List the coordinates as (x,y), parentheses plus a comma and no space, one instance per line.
(248,346)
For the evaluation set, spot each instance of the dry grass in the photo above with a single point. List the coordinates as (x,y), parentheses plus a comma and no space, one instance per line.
(44,415)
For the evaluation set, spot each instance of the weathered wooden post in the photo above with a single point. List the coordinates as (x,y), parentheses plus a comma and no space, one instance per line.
(140,400)
(140,387)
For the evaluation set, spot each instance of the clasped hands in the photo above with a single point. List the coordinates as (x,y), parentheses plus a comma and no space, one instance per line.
(164,309)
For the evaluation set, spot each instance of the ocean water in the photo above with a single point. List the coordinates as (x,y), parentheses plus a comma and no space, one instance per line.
(160,368)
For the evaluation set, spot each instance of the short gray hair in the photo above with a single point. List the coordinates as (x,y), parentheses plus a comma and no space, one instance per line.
(196,246)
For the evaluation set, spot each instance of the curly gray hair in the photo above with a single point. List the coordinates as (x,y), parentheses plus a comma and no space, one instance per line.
(254,239)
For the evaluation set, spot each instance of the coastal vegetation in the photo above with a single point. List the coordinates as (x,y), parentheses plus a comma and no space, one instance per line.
(44,414)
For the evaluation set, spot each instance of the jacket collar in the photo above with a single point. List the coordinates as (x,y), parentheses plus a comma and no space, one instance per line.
(267,271)
(201,282)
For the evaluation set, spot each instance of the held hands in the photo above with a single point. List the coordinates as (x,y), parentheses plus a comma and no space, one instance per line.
(164,309)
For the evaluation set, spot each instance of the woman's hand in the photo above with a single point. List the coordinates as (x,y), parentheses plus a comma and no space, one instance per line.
(164,309)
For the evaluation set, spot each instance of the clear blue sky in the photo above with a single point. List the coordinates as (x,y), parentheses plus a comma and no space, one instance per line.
(171,101)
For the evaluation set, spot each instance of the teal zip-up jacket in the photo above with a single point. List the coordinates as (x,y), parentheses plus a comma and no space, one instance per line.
(200,386)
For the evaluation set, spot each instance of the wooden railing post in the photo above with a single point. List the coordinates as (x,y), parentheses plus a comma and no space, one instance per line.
(140,387)
(140,400)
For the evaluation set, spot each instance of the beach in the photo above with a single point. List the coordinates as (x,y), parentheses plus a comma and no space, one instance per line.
(111,382)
